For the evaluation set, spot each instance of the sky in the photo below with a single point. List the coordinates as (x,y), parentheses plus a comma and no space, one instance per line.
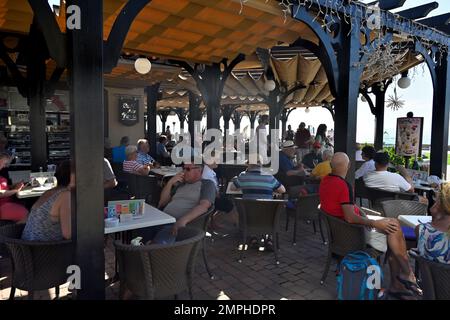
(418,99)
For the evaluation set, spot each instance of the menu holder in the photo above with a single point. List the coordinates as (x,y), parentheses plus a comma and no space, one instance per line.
(132,207)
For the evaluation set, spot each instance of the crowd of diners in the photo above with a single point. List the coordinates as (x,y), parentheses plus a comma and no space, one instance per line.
(191,192)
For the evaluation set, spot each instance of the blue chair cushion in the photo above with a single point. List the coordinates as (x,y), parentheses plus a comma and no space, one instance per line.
(409,233)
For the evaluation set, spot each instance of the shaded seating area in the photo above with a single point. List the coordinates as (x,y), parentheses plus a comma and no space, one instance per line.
(159,271)
(377,196)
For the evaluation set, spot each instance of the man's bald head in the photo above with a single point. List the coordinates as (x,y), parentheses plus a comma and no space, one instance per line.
(339,164)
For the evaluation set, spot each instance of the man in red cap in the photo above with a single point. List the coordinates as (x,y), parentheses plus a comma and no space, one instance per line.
(314,157)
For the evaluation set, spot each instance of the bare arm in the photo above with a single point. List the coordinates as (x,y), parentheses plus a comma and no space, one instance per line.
(165,193)
(61,210)
(109,184)
(387,225)
(197,211)
(281,189)
(144,170)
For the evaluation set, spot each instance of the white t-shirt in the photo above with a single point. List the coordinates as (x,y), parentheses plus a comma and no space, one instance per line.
(209,174)
(365,168)
(358,155)
(387,181)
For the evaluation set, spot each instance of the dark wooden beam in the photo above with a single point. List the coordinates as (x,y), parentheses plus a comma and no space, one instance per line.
(113,46)
(419,11)
(391,4)
(86,112)
(36,71)
(388,20)
(54,38)
(152,100)
(163,114)
(346,103)
(435,21)
(194,114)
(440,120)
(236,118)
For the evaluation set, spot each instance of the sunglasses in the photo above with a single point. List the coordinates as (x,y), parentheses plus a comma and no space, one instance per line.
(189,169)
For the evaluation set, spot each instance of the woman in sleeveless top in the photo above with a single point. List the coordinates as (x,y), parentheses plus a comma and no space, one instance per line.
(50,216)
(9,210)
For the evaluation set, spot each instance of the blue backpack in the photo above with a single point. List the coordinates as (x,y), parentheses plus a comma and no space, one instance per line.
(360,277)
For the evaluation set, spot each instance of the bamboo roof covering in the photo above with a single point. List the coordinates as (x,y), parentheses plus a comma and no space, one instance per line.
(207,31)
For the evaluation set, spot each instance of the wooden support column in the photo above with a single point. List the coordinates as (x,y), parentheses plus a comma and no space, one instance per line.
(440,124)
(163,114)
(227,112)
(182,115)
(36,73)
(152,99)
(347,98)
(86,111)
(252,115)
(380,96)
(284,118)
(236,118)
(194,114)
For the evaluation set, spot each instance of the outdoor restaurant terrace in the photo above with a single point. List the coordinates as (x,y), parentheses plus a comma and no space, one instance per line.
(224,59)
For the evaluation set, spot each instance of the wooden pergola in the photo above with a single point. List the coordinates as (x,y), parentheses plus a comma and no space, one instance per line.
(218,54)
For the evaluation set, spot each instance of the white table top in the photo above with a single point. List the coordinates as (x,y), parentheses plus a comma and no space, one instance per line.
(152,217)
(166,171)
(31,193)
(413,221)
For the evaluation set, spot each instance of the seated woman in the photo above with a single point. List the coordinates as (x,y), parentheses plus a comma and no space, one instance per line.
(434,237)
(50,216)
(9,210)
(131,165)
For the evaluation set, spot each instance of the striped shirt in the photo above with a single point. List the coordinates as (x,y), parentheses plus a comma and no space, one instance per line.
(255,185)
(131,166)
(144,158)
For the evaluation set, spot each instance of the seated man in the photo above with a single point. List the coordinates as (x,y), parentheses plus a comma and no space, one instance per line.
(324,168)
(143,157)
(130,165)
(337,199)
(383,179)
(311,159)
(256,185)
(287,166)
(187,196)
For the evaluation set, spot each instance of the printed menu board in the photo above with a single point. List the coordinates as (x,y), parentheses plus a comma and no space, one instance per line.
(408,140)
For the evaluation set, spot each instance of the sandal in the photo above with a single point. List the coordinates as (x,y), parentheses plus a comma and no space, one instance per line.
(410,285)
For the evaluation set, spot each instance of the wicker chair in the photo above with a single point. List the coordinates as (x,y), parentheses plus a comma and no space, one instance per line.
(143,187)
(306,208)
(376,196)
(343,238)
(435,278)
(394,208)
(360,190)
(36,265)
(259,217)
(202,222)
(159,271)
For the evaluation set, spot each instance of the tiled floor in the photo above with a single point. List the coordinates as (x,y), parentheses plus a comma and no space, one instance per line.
(256,278)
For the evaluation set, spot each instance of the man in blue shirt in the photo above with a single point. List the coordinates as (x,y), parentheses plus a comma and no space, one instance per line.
(255,185)
(143,148)
(287,166)
(118,153)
